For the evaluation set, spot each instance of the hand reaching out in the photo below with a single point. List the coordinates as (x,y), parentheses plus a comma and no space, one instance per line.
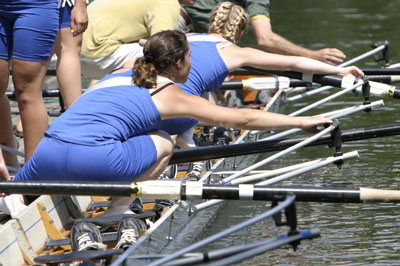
(352,70)
(329,55)
(310,124)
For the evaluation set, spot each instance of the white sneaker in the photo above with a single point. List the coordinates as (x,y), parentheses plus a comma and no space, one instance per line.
(12,205)
(195,173)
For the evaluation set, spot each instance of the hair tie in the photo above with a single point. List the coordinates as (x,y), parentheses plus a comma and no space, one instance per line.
(148,57)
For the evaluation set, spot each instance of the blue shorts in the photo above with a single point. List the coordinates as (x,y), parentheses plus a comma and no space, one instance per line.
(62,161)
(28,30)
(177,125)
(65,16)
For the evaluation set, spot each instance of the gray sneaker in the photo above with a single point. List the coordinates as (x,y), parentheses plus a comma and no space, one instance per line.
(169,173)
(86,236)
(128,231)
(195,171)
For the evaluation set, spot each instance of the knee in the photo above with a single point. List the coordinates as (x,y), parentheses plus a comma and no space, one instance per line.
(169,144)
(164,143)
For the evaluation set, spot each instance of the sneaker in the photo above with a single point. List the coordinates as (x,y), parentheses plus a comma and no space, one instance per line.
(86,236)
(169,173)
(136,206)
(195,172)
(128,231)
(12,205)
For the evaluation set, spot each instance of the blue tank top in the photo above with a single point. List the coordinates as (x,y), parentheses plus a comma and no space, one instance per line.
(107,115)
(208,70)
(207,74)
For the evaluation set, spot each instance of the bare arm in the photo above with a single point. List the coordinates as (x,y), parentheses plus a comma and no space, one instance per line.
(235,57)
(174,103)
(273,42)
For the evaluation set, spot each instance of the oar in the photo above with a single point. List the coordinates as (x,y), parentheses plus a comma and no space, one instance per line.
(288,201)
(12,150)
(206,153)
(45,93)
(268,83)
(257,83)
(335,81)
(245,134)
(283,152)
(192,190)
(332,115)
(309,234)
(367,71)
(203,257)
(296,170)
(233,254)
(381,47)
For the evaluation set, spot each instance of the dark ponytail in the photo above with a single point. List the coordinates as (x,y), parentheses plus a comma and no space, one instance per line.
(161,51)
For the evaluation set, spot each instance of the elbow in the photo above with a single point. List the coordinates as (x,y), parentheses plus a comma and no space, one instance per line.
(266,43)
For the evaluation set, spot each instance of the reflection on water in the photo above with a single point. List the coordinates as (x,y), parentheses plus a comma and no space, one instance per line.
(351,234)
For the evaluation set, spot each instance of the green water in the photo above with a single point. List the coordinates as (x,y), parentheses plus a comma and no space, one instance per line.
(351,234)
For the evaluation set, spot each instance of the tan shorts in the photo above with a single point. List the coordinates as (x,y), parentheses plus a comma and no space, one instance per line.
(99,67)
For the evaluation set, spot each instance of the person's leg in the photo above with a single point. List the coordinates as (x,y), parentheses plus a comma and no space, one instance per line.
(28,78)
(6,132)
(67,49)
(34,33)
(165,148)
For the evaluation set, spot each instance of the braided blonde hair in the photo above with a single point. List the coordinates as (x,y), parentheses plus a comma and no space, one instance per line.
(228,20)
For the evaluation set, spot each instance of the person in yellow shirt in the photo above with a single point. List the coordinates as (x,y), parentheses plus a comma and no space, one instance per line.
(115,28)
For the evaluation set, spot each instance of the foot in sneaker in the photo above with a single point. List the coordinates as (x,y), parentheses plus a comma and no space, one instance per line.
(128,231)
(169,173)
(86,236)
(12,205)
(195,172)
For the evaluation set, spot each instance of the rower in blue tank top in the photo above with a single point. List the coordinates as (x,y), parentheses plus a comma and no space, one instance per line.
(102,135)
(207,74)
(110,133)
(216,54)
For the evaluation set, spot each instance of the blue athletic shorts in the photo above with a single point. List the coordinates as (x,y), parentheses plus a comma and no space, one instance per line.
(177,125)
(65,16)
(28,30)
(62,161)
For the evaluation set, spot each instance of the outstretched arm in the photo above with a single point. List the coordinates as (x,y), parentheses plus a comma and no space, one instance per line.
(236,57)
(172,102)
(273,42)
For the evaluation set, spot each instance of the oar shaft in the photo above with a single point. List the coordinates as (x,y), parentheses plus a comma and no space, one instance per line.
(65,188)
(335,81)
(206,153)
(176,190)
(304,194)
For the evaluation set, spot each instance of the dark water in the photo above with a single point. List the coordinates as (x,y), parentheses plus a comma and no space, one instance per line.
(351,234)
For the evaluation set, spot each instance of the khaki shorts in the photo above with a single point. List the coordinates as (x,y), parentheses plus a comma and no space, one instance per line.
(96,68)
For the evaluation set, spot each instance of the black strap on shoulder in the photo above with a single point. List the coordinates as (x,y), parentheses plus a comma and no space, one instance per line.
(161,88)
